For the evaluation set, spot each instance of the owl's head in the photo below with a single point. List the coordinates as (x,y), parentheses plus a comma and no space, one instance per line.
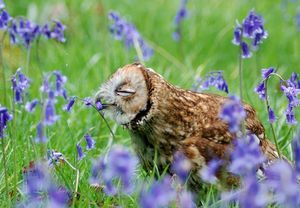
(125,94)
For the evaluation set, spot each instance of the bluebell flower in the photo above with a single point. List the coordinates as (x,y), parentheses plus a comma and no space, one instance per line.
(80,152)
(294,81)
(180,15)
(54,158)
(99,105)
(50,116)
(90,143)
(55,32)
(237,36)
(39,189)
(70,104)
(266,72)
(4,118)
(208,173)
(272,116)
(233,114)
(30,106)
(60,82)
(290,115)
(46,85)
(120,164)
(284,184)
(296,151)
(246,53)
(181,166)
(214,78)
(20,83)
(261,90)
(160,194)
(127,32)
(4,19)
(41,137)
(88,101)
(246,155)
(292,94)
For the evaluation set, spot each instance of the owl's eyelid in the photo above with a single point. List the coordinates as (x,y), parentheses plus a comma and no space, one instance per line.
(125,92)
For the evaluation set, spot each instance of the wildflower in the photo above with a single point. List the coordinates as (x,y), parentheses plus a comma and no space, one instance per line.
(127,32)
(266,72)
(80,153)
(283,183)
(40,190)
(90,143)
(20,83)
(60,82)
(181,166)
(120,165)
(186,200)
(245,50)
(87,101)
(233,114)
(290,115)
(50,116)
(70,104)
(56,32)
(4,18)
(160,194)
(41,138)
(4,118)
(246,156)
(99,105)
(296,151)
(261,90)
(294,81)
(54,157)
(214,78)
(30,106)
(208,173)
(180,15)
(271,113)
(292,95)
(237,36)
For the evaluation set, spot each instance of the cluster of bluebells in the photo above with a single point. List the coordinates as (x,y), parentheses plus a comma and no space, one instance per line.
(180,15)
(90,144)
(39,189)
(118,165)
(25,32)
(122,30)
(5,116)
(290,88)
(214,78)
(20,83)
(253,29)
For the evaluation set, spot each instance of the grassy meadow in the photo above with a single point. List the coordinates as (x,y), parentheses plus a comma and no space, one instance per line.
(91,54)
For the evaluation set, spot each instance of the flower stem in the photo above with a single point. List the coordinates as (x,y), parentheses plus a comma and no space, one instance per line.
(5,169)
(241,73)
(14,145)
(28,60)
(3,70)
(272,127)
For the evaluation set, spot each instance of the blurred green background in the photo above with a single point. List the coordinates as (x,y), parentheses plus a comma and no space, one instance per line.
(91,54)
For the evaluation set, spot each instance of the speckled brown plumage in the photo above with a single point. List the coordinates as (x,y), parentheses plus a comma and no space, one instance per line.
(169,119)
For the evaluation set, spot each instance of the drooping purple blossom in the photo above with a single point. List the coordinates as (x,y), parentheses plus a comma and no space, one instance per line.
(80,152)
(120,164)
(290,115)
(4,118)
(246,156)
(88,101)
(4,19)
(60,82)
(265,73)
(214,78)
(294,80)
(233,114)
(39,189)
(252,28)
(41,137)
(99,105)
(90,142)
(55,31)
(30,106)
(284,184)
(122,30)
(181,166)
(179,17)
(70,104)
(50,116)
(208,173)
(296,151)
(54,157)
(20,83)
(272,116)
(261,90)
(160,194)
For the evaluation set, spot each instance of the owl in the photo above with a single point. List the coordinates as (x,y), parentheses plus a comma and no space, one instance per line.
(163,119)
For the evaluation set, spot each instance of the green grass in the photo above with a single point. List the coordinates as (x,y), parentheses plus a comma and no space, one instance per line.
(91,54)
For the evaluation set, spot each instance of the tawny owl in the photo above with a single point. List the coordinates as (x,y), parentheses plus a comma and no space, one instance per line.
(163,119)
